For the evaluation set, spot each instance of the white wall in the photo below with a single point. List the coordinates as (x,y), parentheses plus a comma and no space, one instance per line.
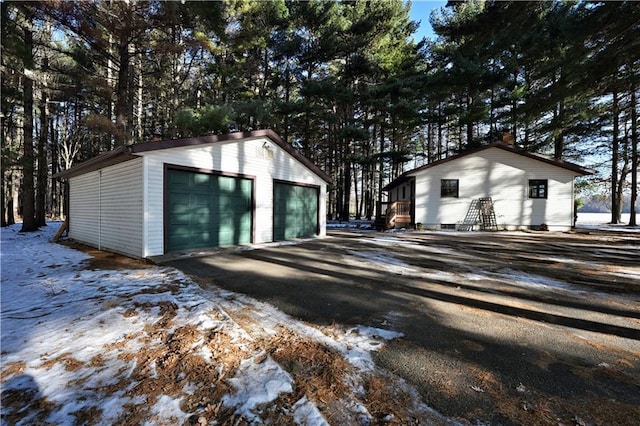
(245,157)
(401,192)
(504,176)
(105,208)
(84,207)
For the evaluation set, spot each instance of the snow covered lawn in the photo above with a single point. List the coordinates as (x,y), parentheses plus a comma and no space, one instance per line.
(149,346)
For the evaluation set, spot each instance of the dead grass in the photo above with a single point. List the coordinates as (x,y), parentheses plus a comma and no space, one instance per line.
(13,369)
(317,370)
(519,408)
(532,407)
(104,260)
(87,415)
(16,402)
(387,402)
(173,362)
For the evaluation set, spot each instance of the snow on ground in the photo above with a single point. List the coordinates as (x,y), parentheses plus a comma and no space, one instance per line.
(149,346)
(396,263)
(599,221)
(599,218)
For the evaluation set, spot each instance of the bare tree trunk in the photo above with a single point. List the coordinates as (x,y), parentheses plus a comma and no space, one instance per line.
(54,196)
(469,126)
(121,110)
(140,104)
(615,202)
(380,169)
(27,189)
(346,190)
(634,157)
(358,199)
(41,183)
(3,189)
(3,129)
(287,98)
(558,139)
(440,139)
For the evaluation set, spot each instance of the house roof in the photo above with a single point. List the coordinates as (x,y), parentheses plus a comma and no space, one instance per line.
(579,170)
(128,152)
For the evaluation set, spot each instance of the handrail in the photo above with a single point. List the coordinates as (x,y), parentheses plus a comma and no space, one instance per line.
(400,209)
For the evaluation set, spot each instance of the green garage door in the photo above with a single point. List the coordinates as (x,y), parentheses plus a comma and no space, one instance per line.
(205,210)
(295,211)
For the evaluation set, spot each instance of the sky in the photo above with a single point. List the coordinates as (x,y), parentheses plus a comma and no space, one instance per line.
(420,11)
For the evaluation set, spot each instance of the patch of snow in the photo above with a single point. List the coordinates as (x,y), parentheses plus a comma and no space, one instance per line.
(531,280)
(375,333)
(167,408)
(386,241)
(561,260)
(602,222)
(627,273)
(257,383)
(358,224)
(306,413)
(382,259)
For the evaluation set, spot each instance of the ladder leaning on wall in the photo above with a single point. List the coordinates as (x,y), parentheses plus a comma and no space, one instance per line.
(482,213)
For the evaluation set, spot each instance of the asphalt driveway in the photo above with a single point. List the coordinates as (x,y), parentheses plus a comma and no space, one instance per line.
(509,328)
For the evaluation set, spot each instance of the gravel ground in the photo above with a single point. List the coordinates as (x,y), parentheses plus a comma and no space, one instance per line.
(502,328)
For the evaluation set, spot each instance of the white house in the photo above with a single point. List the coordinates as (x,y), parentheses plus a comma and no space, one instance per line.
(497,186)
(152,198)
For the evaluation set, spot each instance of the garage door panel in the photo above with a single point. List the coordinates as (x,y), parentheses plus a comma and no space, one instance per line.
(295,211)
(177,180)
(208,210)
(201,181)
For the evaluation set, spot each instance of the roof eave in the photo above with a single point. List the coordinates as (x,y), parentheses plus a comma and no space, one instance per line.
(397,182)
(118,155)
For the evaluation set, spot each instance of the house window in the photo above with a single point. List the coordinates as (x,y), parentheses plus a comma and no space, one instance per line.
(538,188)
(449,188)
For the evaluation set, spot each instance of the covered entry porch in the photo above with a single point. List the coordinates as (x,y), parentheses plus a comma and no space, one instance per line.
(396,214)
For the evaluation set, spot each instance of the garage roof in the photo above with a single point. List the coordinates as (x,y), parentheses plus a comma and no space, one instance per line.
(128,152)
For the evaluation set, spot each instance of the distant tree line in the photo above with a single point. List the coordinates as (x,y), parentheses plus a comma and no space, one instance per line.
(601,203)
(346,83)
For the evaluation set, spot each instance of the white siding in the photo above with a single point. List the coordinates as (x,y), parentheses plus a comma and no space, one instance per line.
(121,207)
(106,208)
(401,192)
(245,157)
(504,176)
(83,208)
(154,208)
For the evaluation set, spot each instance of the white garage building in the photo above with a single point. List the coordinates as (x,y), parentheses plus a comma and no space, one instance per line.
(153,198)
